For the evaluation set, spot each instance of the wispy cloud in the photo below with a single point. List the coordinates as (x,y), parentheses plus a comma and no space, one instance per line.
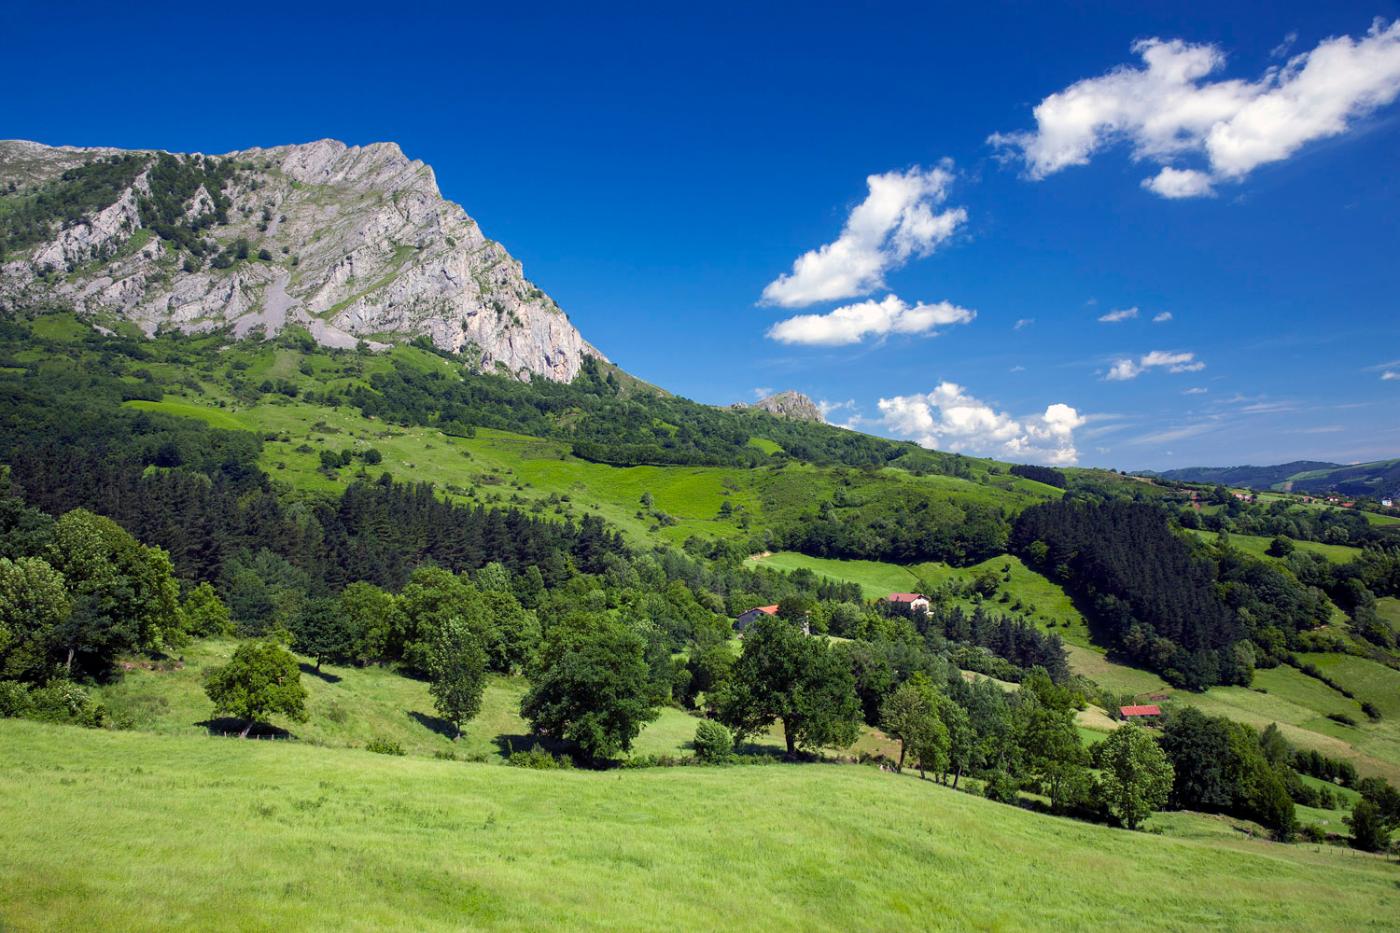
(1195,390)
(1170,108)
(1161,317)
(1127,368)
(1023,323)
(1390,375)
(896,221)
(1116,317)
(853,323)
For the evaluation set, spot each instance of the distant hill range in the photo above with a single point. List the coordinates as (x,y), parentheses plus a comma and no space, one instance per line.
(1377,478)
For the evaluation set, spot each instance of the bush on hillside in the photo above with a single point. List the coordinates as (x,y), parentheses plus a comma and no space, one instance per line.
(713,742)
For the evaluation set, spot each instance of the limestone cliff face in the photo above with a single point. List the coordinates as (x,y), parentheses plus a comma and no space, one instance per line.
(790,404)
(350,242)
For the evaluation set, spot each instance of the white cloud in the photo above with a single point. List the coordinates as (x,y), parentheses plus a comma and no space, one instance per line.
(1126,368)
(949,419)
(1122,314)
(1018,369)
(1167,109)
(1023,323)
(1180,183)
(1162,318)
(762,392)
(853,323)
(895,222)
(1389,375)
(1196,390)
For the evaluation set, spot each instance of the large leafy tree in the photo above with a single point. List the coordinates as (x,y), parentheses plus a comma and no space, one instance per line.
(783,675)
(1053,753)
(125,595)
(1137,777)
(909,714)
(369,612)
(34,603)
(457,666)
(262,679)
(590,685)
(323,632)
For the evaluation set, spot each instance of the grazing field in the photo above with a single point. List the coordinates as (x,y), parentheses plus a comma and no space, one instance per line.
(542,474)
(349,706)
(1041,599)
(1370,681)
(1389,610)
(222,833)
(1258,546)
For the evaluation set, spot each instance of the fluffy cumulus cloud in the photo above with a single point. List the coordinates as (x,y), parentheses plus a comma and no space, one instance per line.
(1162,317)
(1171,108)
(1390,375)
(899,219)
(948,418)
(853,323)
(1127,368)
(1116,317)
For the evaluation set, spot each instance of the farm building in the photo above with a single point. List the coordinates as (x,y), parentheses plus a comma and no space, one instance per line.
(912,603)
(750,616)
(1143,714)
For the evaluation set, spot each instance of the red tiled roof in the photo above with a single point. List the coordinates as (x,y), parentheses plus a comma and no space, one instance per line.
(770,610)
(1140,710)
(905,597)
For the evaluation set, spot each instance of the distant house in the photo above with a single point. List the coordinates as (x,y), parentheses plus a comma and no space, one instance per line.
(911,603)
(750,616)
(1141,713)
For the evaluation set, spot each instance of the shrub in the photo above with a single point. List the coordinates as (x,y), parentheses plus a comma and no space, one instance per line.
(537,759)
(1002,788)
(383,746)
(65,702)
(713,742)
(14,699)
(1342,718)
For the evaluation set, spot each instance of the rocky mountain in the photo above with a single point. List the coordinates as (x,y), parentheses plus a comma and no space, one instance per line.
(790,404)
(353,243)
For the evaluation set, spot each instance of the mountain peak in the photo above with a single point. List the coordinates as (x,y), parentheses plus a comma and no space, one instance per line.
(790,404)
(350,242)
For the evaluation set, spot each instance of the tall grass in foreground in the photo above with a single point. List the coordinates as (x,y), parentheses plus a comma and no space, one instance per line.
(126,830)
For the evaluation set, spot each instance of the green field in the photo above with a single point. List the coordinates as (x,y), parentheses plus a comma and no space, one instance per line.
(1042,599)
(1258,546)
(498,466)
(1389,610)
(1367,679)
(349,706)
(223,834)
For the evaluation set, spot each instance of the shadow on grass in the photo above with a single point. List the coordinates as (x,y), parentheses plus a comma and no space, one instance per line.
(434,724)
(509,744)
(231,727)
(327,676)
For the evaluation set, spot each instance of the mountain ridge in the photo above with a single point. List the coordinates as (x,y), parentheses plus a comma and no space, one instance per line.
(351,242)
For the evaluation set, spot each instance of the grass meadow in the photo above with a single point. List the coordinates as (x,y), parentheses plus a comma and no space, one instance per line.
(128,830)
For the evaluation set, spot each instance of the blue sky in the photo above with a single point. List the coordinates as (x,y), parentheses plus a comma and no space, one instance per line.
(659,172)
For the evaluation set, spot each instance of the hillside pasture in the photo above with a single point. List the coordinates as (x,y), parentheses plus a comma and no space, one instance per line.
(223,832)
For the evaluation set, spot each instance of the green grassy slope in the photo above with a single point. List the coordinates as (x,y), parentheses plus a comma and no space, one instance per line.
(221,834)
(349,706)
(1258,546)
(501,466)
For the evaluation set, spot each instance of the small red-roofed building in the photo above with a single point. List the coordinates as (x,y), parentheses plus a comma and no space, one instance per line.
(911,603)
(1144,714)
